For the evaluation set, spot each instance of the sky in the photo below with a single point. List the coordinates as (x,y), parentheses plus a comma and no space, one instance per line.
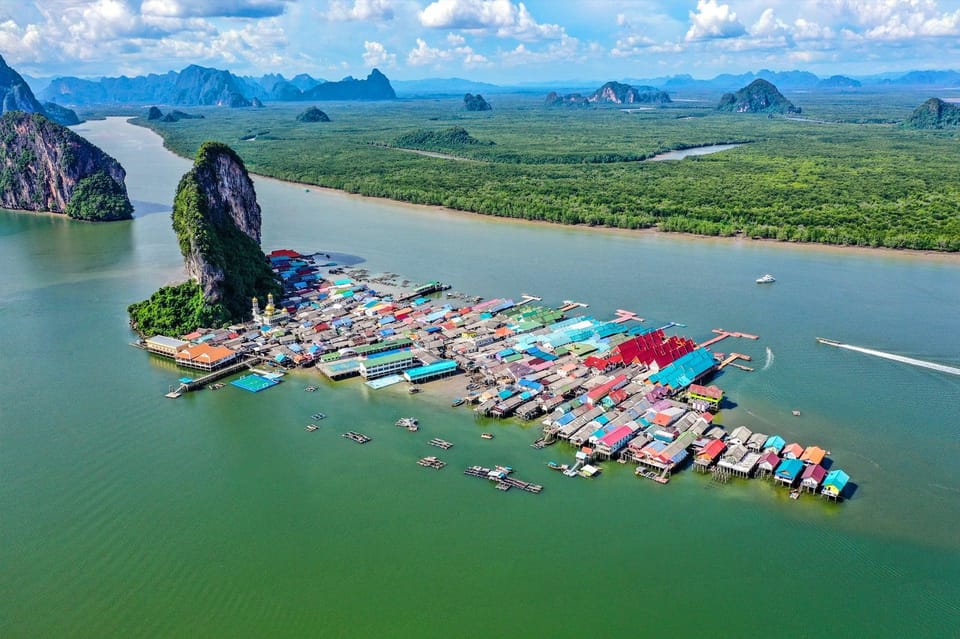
(500,41)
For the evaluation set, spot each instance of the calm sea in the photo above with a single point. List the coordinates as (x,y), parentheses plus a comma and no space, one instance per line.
(125,514)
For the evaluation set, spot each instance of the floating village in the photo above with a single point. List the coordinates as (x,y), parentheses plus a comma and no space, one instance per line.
(615,390)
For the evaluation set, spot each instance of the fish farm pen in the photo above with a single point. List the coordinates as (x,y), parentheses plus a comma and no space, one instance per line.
(614,389)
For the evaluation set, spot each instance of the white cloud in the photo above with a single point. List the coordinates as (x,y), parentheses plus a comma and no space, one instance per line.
(713,20)
(424,55)
(567,49)
(768,25)
(361,10)
(895,19)
(213,8)
(376,55)
(501,17)
(807,30)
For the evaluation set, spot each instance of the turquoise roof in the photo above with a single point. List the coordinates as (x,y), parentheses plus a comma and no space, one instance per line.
(775,441)
(789,468)
(684,370)
(443,366)
(836,478)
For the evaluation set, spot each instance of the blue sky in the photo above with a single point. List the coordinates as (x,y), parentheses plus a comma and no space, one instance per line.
(501,41)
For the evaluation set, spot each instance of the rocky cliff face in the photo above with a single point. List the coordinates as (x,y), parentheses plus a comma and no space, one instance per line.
(43,165)
(15,95)
(217,221)
(612,93)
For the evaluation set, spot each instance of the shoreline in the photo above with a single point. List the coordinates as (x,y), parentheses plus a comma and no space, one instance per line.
(845,248)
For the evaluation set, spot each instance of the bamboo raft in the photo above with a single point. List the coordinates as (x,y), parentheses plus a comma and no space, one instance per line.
(440,443)
(360,438)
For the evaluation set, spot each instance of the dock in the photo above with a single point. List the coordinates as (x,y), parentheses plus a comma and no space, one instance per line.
(440,443)
(360,438)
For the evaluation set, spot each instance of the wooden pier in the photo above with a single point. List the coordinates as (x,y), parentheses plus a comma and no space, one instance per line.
(201,382)
(569,306)
(722,335)
(626,316)
(732,357)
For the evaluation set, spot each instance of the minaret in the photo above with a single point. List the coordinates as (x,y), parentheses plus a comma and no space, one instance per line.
(270,308)
(256,309)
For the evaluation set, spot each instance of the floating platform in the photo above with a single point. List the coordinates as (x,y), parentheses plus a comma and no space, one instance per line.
(360,438)
(440,443)
(254,383)
(431,462)
(383,382)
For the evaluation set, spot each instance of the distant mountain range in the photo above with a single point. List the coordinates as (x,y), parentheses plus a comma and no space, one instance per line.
(203,86)
(197,86)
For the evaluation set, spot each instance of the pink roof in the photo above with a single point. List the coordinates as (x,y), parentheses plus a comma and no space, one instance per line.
(815,472)
(794,448)
(771,459)
(616,435)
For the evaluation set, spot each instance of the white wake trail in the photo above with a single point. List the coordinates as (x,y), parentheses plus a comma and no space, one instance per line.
(767,364)
(943,368)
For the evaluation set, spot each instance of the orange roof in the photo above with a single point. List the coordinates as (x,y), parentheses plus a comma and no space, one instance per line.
(662,419)
(205,353)
(503,331)
(813,454)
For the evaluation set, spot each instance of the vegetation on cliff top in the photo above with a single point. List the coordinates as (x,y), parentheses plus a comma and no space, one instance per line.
(98,197)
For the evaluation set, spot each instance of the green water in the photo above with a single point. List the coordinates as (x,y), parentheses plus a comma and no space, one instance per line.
(123,513)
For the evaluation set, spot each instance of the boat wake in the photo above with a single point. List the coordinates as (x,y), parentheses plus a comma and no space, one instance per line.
(943,368)
(767,364)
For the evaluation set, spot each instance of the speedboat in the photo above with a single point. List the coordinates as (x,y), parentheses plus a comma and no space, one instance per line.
(766,279)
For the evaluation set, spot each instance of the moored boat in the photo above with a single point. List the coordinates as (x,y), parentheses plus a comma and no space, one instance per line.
(486,435)
(766,279)
(457,402)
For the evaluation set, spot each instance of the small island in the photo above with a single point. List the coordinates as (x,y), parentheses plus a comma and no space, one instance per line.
(759,96)
(475,103)
(934,114)
(313,114)
(217,221)
(47,167)
(611,93)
